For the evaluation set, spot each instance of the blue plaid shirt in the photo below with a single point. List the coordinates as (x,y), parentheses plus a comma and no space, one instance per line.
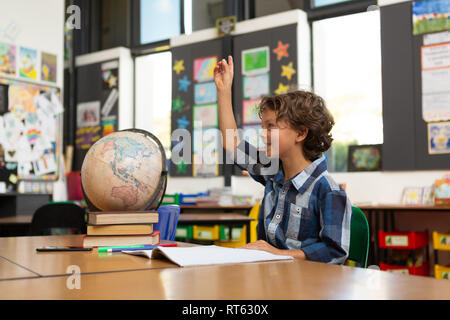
(310,211)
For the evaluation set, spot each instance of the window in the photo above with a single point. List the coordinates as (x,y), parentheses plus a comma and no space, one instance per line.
(322,3)
(153,74)
(347,74)
(205,13)
(159,20)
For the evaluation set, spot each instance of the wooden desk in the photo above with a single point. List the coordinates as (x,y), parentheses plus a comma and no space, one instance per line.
(9,270)
(228,219)
(15,226)
(385,213)
(22,251)
(282,280)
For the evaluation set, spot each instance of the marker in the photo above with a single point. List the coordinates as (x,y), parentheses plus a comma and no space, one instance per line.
(105,249)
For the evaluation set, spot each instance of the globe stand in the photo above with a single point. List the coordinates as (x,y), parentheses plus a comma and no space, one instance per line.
(162,183)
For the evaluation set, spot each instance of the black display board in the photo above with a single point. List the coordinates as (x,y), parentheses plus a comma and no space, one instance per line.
(282,48)
(186,79)
(97,106)
(405,144)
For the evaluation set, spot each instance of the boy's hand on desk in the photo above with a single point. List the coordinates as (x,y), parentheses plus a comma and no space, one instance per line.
(223,74)
(263,245)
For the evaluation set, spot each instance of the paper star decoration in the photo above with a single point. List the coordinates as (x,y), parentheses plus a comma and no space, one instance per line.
(287,71)
(181,167)
(178,67)
(281,89)
(182,123)
(177,104)
(183,84)
(281,50)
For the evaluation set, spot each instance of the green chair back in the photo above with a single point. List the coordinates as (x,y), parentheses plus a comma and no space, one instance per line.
(359,238)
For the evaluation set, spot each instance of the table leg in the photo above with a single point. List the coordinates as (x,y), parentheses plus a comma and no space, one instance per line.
(248,231)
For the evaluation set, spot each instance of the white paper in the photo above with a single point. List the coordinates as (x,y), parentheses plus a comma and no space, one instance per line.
(88,114)
(207,255)
(58,108)
(439,37)
(110,101)
(436,56)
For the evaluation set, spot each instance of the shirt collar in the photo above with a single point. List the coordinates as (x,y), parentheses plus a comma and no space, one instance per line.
(305,178)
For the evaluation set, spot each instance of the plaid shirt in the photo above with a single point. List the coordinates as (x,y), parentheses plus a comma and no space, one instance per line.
(310,211)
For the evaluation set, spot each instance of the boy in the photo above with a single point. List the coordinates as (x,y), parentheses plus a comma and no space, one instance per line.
(304,212)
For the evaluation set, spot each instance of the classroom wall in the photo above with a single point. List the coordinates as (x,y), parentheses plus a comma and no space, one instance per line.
(37,25)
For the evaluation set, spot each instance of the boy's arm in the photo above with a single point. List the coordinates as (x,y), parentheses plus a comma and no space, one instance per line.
(223,77)
(335,217)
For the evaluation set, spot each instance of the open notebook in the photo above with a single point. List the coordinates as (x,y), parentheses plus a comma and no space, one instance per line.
(207,255)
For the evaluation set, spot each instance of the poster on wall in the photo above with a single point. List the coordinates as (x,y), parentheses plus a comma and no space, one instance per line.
(204,68)
(430,16)
(7,59)
(438,137)
(364,157)
(27,63)
(48,67)
(256,86)
(255,61)
(435,60)
(88,114)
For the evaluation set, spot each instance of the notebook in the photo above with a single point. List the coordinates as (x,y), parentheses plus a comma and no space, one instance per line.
(207,255)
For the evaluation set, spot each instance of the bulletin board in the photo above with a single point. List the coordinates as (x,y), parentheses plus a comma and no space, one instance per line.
(195,109)
(265,64)
(97,105)
(30,131)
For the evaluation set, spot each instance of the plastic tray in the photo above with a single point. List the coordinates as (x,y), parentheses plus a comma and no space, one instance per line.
(184,232)
(441,272)
(402,240)
(206,232)
(423,270)
(441,241)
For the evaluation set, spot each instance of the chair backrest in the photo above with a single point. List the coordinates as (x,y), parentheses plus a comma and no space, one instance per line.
(254,214)
(58,215)
(359,238)
(167,222)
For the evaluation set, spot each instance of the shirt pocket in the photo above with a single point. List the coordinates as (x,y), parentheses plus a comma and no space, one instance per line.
(300,223)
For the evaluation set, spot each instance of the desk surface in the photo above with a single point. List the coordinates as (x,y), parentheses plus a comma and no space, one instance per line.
(9,270)
(22,251)
(281,280)
(206,217)
(404,207)
(16,219)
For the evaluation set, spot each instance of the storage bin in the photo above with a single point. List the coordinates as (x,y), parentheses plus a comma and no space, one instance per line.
(441,241)
(191,199)
(441,272)
(184,232)
(238,238)
(422,270)
(206,232)
(171,199)
(224,233)
(402,240)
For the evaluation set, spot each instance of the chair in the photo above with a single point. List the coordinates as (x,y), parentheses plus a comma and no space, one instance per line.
(359,238)
(58,215)
(167,222)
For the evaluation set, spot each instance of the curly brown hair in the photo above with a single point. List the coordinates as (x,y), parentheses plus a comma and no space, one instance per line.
(304,109)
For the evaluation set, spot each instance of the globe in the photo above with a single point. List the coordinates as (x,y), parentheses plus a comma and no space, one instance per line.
(124,171)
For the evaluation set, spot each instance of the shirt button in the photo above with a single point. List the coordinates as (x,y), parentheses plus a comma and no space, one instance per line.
(278,216)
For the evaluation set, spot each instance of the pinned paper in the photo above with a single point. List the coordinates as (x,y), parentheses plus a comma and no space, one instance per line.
(281,50)
(7,59)
(281,89)
(287,71)
(88,114)
(110,101)
(183,84)
(178,66)
(28,63)
(204,68)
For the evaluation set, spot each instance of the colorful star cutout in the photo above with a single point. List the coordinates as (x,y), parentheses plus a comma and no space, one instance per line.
(181,167)
(281,50)
(183,84)
(178,67)
(281,89)
(287,71)
(177,104)
(182,123)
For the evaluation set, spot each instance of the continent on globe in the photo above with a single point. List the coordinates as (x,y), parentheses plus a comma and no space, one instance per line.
(128,194)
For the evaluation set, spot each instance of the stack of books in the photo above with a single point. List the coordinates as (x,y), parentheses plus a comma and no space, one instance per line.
(121,228)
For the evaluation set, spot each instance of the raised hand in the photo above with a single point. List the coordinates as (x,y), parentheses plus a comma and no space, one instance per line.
(223,74)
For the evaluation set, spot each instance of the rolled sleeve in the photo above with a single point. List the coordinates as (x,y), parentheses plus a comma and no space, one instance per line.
(248,158)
